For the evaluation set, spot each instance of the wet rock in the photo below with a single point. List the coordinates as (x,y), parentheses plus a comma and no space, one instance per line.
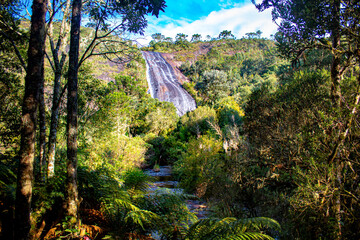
(164,84)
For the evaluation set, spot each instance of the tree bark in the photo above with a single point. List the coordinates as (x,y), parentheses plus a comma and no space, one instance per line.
(33,82)
(336,99)
(42,126)
(53,126)
(336,61)
(71,204)
(58,64)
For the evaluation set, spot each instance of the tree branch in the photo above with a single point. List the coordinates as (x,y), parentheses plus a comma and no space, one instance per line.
(17,52)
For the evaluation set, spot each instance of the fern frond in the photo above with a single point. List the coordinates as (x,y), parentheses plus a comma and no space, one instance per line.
(7,176)
(141,217)
(111,205)
(249,236)
(258,223)
(231,228)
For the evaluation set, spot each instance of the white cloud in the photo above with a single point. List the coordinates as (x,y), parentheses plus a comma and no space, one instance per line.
(238,20)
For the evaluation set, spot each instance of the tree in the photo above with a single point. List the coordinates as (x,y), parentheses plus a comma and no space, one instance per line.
(57,64)
(214,86)
(226,35)
(256,34)
(71,203)
(196,37)
(168,40)
(133,20)
(33,84)
(332,25)
(158,37)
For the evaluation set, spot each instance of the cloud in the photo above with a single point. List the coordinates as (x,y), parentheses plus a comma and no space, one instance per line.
(238,20)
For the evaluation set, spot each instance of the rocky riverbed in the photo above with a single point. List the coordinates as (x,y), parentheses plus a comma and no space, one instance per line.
(164,179)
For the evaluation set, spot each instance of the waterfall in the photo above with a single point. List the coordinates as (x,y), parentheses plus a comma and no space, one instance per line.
(164,85)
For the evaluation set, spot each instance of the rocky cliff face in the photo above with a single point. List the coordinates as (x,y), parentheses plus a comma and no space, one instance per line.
(164,84)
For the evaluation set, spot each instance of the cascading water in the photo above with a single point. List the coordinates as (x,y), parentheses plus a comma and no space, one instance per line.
(164,84)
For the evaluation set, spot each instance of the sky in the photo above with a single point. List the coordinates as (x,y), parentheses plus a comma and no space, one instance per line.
(208,17)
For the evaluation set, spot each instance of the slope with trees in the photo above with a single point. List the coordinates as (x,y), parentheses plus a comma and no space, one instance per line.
(275,134)
(286,138)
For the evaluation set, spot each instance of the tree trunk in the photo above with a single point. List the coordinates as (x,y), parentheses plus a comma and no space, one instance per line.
(336,61)
(53,126)
(336,99)
(33,82)
(58,64)
(72,115)
(42,126)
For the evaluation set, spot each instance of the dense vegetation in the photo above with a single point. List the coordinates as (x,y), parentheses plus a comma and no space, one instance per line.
(274,136)
(274,139)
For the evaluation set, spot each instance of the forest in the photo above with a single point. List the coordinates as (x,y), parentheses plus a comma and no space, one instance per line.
(273,146)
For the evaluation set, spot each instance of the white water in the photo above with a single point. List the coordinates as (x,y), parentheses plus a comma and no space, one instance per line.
(164,85)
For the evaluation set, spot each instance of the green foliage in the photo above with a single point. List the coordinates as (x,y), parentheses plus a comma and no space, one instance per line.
(163,119)
(290,132)
(123,215)
(226,34)
(11,85)
(196,123)
(136,180)
(10,111)
(158,37)
(199,164)
(196,37)
(164,150)
(229,112)
(272,153)
(176,218)
(231,228)
(243,64)
(132,14)
(256,34)
(129,85)
(181,41)
(213,86)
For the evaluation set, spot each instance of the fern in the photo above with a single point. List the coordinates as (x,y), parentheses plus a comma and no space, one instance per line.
(231,228)
(172,209)
(141,217)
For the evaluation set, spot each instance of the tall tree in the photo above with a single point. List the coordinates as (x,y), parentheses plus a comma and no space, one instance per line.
(33,82)
(72,108)
(57,64)
(133,20)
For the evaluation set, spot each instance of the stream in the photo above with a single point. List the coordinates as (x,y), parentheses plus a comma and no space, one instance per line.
(164,179)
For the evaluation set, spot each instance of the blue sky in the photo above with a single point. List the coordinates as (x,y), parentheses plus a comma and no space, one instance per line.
(209,17)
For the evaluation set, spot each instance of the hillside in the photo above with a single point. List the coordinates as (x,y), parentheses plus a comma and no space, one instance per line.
(274,140)
(243,64)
